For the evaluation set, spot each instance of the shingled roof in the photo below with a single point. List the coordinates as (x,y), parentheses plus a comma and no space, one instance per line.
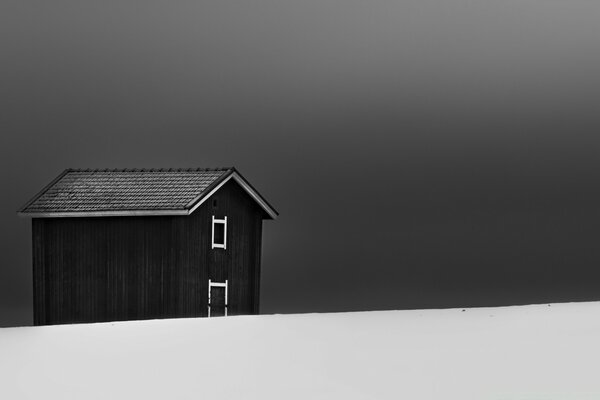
(113,192)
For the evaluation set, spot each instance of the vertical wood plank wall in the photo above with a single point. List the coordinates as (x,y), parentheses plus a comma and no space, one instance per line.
(122,268)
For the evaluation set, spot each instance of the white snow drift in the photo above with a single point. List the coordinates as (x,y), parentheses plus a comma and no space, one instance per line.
(531,352)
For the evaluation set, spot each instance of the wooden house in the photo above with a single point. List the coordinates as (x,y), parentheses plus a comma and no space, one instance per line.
(126,244)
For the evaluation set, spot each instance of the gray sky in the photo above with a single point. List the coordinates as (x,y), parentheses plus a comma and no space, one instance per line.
(421,153)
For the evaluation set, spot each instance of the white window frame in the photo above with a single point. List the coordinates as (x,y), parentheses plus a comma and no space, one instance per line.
(211,285)
(219,245)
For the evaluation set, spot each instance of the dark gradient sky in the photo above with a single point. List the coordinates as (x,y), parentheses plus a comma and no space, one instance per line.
(421,153)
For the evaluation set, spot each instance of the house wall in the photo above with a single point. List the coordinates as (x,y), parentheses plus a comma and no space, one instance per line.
(123,268)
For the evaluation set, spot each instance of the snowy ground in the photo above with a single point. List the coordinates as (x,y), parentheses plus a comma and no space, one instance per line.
(531,352)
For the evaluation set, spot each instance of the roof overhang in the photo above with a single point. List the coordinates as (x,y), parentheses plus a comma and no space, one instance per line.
(194,204)
(122,213)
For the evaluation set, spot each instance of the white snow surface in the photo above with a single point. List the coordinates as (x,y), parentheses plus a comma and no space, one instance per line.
(527,352)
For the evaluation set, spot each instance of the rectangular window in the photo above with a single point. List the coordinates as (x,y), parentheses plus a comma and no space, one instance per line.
(219,233)
(217,298)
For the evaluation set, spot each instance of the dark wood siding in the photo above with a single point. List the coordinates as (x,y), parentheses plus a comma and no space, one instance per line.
(123,268)
(236,263)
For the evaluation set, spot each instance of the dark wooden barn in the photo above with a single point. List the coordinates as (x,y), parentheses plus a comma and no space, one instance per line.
(125,244)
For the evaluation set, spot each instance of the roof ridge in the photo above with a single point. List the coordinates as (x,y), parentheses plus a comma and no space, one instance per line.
(171,169)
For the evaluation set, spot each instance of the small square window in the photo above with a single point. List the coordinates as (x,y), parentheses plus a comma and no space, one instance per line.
(219,233)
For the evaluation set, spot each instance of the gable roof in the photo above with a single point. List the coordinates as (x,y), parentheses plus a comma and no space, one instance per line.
(126,192)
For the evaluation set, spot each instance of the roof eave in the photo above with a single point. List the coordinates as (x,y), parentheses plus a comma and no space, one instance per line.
(80,214)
